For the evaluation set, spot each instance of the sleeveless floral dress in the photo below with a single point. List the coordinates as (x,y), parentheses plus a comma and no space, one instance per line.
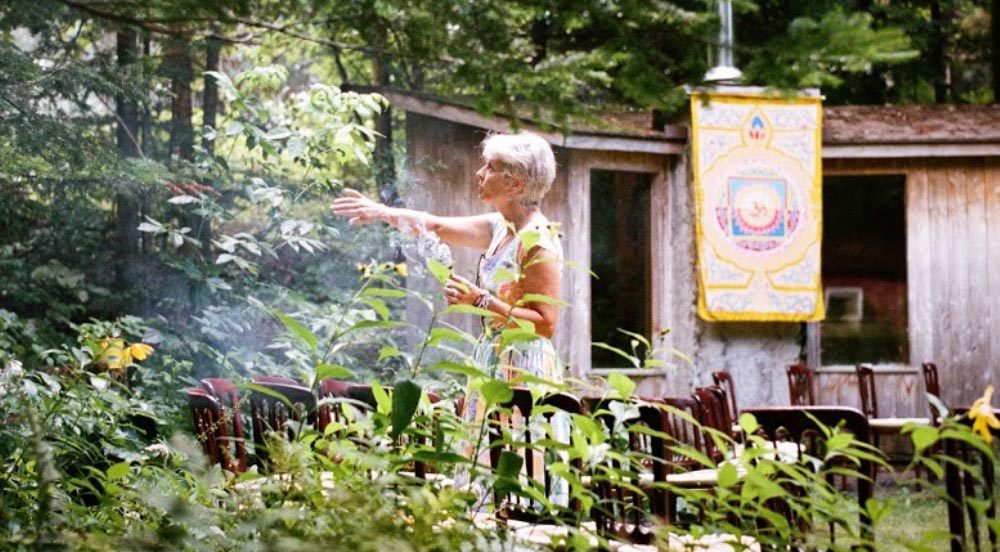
(499,273)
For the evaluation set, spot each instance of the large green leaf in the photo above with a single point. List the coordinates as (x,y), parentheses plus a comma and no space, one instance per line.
(334,371)
(496,392)
(405,398)
(298,329)
(622,384)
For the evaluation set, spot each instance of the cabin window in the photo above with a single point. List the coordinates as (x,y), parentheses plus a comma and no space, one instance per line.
(864,272)
(620,258)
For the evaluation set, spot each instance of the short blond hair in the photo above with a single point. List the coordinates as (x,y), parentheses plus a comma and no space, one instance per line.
(525,155)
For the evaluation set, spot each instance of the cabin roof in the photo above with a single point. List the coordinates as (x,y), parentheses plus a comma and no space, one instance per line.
(911,123)
(613,131)
(854,131)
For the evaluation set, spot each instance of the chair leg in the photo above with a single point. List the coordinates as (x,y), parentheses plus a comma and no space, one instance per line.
(970,492)
(954,487)
(989,491)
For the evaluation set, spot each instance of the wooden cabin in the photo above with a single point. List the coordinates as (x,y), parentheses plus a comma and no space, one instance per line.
(911,256)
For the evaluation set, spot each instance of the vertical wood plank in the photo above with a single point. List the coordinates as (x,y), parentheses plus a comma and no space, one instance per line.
(661,294)
(978,358)
(937,188)
(575,327)
(918,269)
(991,295)
(958,270)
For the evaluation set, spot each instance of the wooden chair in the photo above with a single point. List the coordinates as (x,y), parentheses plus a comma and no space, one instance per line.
(209,425)
(626,508)
(801,385)
(514,433)
(803,425)
(234,452)
(285,411)
(879,425)
(724,380)
(869,403)
(715,413)
(686,475)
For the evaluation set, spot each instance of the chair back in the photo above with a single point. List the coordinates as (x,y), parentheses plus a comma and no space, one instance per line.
(714,413)
(227,394)
(514,429)
(866,387)
(683,421)
(933,387)
(724,380)
(931,383)
(209,424)
(801,385)
(803,425)
(285,411)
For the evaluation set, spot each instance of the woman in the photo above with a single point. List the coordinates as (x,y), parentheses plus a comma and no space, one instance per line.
(522,256)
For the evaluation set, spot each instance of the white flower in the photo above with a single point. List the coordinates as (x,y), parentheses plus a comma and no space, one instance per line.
(157,449)
(14,369)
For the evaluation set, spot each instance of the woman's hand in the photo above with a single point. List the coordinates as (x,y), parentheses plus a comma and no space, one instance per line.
(460,291)
(355,205)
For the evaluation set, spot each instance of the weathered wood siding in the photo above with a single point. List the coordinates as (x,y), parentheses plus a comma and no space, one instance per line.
(953,266)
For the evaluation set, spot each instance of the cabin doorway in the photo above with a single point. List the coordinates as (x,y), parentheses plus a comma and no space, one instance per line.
(621,262)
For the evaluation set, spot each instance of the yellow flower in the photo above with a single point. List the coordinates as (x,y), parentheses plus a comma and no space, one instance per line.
(982,415)
(365,270)
(400,269)
(116,356)
(113,353)
(139,351)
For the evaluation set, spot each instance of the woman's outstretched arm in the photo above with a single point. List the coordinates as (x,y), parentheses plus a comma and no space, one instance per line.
(467,231)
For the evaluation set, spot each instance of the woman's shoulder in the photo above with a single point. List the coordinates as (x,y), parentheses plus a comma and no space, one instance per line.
(543,233)
(497,223)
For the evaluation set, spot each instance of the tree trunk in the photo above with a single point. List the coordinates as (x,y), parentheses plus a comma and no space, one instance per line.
(385,164)
(179,69)
(210,108)
(995,45)
(210,98)
(936,54)
(871,86)
(126,204)
(147,142)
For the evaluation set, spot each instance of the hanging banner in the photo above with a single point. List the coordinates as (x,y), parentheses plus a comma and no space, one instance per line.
(758,198)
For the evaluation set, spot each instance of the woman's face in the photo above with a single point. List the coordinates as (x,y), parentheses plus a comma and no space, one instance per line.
(492,182)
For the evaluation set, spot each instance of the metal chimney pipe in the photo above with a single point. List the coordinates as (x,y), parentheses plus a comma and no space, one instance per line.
(724,70)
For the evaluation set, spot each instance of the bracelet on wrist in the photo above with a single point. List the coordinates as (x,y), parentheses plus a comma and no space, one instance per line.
(484,300)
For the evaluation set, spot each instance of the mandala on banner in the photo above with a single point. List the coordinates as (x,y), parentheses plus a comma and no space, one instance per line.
(758,194)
